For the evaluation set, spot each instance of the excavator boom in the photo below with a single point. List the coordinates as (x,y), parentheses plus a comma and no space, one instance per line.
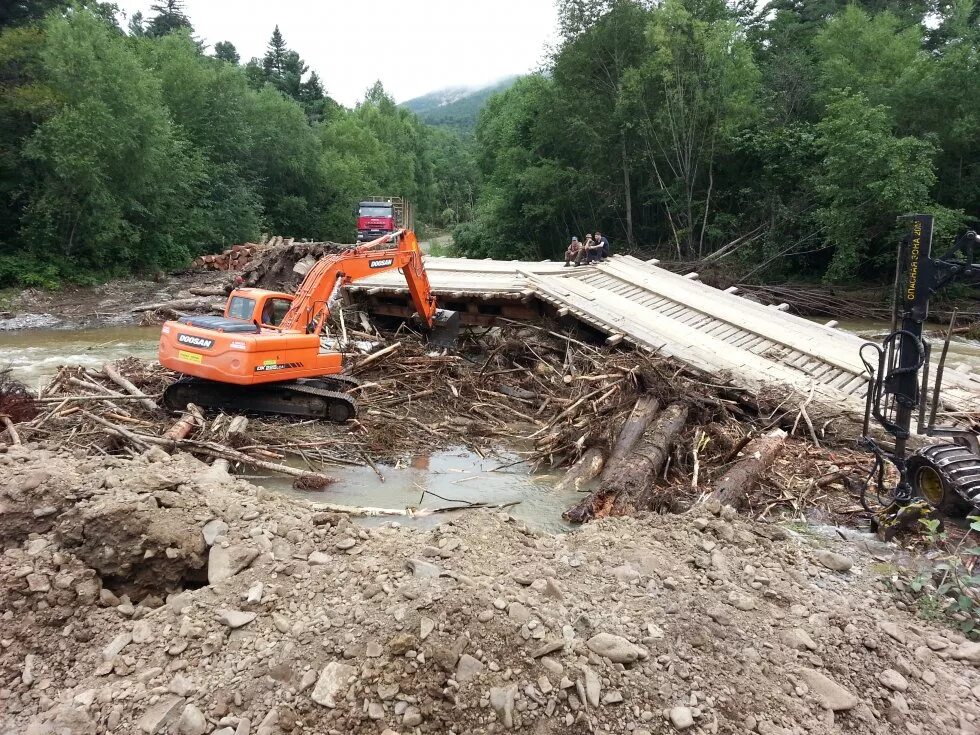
(268,352)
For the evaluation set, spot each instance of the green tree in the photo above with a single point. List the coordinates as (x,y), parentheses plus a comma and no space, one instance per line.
(113,181)
(170,17)
(868,177)
(226,51)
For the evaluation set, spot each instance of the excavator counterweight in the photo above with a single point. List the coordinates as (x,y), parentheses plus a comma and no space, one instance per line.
(267,353)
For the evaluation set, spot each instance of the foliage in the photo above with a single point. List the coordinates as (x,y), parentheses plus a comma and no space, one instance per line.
(951,588)
(800,129)
(136,152)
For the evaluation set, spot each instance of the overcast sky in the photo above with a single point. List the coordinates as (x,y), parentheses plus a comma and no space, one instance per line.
(412,46)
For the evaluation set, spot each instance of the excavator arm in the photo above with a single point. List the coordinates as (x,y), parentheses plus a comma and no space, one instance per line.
(320,289)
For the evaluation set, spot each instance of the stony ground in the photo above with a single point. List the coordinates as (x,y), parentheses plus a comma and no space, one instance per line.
(160,596)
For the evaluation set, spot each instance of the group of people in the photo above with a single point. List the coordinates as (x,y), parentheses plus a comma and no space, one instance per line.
(594,249)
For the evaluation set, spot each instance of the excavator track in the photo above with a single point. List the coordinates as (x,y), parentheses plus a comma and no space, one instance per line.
(310,398)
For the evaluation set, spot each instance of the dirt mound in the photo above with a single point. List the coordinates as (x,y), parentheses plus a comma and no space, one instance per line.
(703,622)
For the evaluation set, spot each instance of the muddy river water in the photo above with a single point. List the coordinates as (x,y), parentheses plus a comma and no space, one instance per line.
(456,473)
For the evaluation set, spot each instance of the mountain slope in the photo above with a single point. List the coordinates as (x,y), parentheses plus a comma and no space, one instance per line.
(455,108)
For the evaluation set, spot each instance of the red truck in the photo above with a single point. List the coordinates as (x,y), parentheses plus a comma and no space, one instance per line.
(377,216)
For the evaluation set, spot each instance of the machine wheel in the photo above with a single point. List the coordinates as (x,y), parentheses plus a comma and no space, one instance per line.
(947,476)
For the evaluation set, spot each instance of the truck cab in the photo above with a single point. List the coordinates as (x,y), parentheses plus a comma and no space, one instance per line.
(374,219)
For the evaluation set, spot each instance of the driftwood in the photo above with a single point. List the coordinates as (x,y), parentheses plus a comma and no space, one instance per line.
(597,502)
(375,356)
(199,303)
(587,468)
(634,482)
(11,429)
(116,377)
(732,486)
(189,420)
(208,290)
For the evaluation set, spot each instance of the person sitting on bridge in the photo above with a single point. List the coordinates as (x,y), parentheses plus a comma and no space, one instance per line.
(603,243)
(593,249)
(574,253)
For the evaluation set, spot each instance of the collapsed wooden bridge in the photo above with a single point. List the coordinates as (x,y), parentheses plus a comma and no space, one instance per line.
(718,333)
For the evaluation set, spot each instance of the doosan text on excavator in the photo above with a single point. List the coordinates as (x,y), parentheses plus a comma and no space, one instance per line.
(267,352)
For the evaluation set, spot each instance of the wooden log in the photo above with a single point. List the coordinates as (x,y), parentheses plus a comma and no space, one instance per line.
(640,417)
(116,377)
(374,356)
(189,420)
(596,502)
(234,435)
(635,483)
(11,429)
(732,486)
(208,290)
(198,302)
(587,468)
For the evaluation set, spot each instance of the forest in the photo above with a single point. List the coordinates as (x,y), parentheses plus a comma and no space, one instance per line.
(780,139)
(135,149)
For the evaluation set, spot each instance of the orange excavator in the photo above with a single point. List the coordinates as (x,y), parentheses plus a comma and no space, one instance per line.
(268,352)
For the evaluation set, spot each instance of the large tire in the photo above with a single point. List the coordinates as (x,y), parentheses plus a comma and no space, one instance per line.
(947,476)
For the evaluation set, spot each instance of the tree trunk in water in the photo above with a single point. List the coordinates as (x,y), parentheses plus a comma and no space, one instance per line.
(635,477)
(597,503)
(731,488)
(588,467)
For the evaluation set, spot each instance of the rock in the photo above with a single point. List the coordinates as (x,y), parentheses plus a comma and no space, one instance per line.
(376,711)
(502,701)
(798,639)
(518,612)
(373,649)
(426,626)
(614,647)
(467,669)
(893,680)
(894,631)
(319,558)
(831,694)
(116,646)
(548,647)
(837,562)
(27,673)
(255,593)
(192,721)
(401,643)
(423,569)
(545,685)
(142,632)
(388,691)
(593,686)
(235,618)
(346,543)
(37,582)
(613,697)
(213,529)
(681,717)
(719,614)
(967,651)
(553,667)
(181,686)
(332,682)
(224,563)
(161,715)
(412,717)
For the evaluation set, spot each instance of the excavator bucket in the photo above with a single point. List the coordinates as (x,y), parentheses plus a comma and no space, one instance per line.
(445,328)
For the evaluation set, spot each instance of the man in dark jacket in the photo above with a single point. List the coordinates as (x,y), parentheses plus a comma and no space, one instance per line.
(603,243)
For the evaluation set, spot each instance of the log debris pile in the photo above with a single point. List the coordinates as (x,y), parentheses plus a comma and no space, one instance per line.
(630,431)
(234,258)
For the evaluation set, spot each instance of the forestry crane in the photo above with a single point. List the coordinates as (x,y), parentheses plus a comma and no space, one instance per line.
(265,354)
(945,475)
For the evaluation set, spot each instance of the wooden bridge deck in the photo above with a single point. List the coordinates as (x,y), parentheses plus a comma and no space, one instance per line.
(714,331)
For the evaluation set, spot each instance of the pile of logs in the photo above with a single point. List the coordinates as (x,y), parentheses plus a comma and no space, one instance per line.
(234,258)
